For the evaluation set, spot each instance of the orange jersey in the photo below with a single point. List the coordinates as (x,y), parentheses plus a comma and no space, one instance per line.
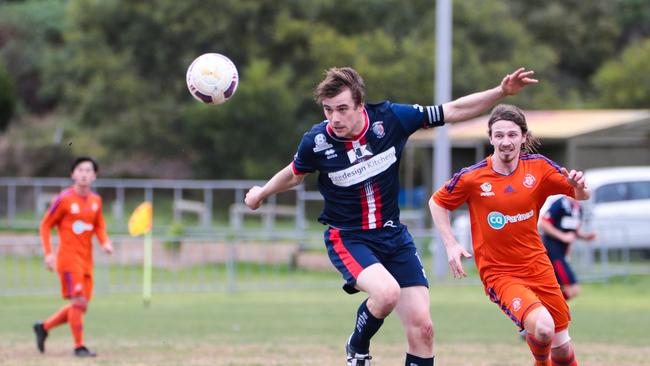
(504,212)
(76,218)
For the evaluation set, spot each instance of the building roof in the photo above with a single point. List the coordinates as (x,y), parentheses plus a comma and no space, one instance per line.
(552,124)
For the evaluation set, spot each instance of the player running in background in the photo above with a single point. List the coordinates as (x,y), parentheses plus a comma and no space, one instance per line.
(560,227)
(504,193)
(356,151)
(77,214)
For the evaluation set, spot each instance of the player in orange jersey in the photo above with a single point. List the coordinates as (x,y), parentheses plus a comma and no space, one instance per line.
(77,214)
(504,193)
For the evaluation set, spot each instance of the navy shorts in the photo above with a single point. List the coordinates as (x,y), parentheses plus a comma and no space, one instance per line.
(353,250)
(563,272)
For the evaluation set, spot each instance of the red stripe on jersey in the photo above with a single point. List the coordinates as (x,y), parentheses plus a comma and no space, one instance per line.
(377,194)
(364,207)
(348,260)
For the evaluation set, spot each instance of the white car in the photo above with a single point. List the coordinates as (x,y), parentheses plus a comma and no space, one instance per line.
(619,207)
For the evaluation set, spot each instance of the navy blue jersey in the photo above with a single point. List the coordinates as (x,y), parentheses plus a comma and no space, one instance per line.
(359,177)
(565,214)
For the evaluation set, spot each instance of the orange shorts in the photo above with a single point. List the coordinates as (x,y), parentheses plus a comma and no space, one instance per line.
(76,284)
(517,297)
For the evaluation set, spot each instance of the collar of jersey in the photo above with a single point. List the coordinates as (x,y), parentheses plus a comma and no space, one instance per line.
(366,123)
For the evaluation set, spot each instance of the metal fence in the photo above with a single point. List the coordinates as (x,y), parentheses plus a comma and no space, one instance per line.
(232,254)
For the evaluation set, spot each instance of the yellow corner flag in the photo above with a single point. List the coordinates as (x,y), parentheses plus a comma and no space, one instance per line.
(140,223)
(141,219)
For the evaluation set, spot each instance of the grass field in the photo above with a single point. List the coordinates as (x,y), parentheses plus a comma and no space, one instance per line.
(308,327)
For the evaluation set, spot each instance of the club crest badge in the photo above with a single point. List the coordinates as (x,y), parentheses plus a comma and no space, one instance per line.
(378,129)
(321,143)
(529,181)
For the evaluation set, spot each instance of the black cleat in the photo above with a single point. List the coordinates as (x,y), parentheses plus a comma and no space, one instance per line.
(41,336)
(82,351)
(356,359)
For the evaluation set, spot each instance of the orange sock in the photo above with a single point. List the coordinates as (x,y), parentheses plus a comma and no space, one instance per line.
(569,360)
(75,318)
(58,318)
(541,350)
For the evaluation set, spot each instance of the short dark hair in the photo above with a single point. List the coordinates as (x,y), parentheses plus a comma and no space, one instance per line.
(83,159)
(337,79)
(507,112)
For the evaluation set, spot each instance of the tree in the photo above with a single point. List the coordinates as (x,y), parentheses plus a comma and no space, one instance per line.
(7,98)
(625,82)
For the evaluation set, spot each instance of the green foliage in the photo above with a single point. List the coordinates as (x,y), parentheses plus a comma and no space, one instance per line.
(115,69)
(625,82)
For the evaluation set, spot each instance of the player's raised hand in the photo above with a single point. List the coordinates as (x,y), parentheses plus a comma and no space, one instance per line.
(254,198)
(575,178)
(49,262)
(513,83)
(454,253)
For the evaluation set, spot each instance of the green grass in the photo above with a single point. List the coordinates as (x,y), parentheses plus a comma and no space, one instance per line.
(308,327)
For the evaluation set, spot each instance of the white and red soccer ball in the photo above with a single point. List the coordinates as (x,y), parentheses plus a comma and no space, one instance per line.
(212,78)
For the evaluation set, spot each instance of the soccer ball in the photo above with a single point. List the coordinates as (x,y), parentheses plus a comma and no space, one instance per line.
(212,78)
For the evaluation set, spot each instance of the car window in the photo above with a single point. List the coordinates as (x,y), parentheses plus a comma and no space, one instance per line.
(623,191)
(639,190)
(611,193)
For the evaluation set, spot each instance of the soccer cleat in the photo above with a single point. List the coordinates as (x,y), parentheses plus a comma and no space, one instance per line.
(356,359)
(41,336)
(82,351)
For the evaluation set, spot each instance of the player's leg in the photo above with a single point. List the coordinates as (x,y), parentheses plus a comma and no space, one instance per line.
(404,265)
(562,350)
(540,329)
(413,311)
(82,290)
(362,271)
(566,278)
(41,329)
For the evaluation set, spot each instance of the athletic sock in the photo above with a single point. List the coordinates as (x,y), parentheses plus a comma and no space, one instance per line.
(417,361)
(366,327)
(58,318)
(569,360)
(75,318)
(541,350)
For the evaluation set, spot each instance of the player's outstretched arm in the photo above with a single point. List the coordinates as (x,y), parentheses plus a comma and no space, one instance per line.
(474,104)
(577,180)
(281,181)
(440,217)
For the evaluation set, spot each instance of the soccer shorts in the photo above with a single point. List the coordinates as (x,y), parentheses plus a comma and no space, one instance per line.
(563,272)
(76,284)
(351,251)
(518,296)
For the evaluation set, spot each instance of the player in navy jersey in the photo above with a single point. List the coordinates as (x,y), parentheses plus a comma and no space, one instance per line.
(560,227)
(356,152)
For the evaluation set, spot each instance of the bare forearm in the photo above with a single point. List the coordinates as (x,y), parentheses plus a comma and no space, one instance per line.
(472,105)
(551,230)
(282,181)
(441,221)
(582,193)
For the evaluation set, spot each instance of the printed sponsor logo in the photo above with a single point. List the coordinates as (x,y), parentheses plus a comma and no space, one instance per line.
(330,154)
(366,169)
(321,143)
(79,227)
(497,220)
(358,152)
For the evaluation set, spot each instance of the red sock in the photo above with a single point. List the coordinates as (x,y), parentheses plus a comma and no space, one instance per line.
(75,318)
(541,350)
(58,318)
(569,360)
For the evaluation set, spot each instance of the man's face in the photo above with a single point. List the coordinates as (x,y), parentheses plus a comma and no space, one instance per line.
(507,139)
(344,117)
(84,174)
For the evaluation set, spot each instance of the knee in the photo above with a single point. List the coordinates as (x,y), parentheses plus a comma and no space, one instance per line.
(386,299)
(425,332)
(80,303)
(541,325)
